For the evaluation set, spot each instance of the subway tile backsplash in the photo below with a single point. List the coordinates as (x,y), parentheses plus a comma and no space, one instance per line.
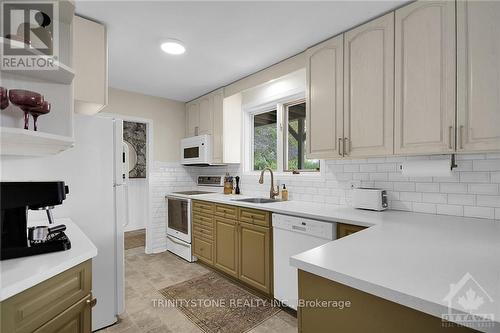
(473,190)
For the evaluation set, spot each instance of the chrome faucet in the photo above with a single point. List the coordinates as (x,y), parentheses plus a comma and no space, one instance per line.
(272,192)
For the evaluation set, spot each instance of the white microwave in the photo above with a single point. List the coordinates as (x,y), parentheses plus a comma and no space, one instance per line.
(197,150)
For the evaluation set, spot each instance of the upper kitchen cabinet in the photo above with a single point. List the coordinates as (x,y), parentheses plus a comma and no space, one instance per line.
(217,129)
(205,116)
(91,66)
(231,128)
(192,118)
(324,94)
(425,78)
(478,56)
(369,88)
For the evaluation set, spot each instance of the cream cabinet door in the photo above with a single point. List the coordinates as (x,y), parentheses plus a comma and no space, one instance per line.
(217,130)
(206,118)
(325,99)
(425,78)
(369,88)
(90,58)
(192,119)
(478,56)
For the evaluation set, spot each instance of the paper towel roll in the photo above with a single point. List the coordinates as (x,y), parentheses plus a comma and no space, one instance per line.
(427,168)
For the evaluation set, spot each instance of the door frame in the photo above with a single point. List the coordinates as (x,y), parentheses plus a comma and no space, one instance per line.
(149,158)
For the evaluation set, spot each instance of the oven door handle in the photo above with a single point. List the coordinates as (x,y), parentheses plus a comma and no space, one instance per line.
(177,241)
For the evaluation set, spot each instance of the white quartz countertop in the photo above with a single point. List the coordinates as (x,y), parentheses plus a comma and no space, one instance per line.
(408,258)
(323,212)
(17,275)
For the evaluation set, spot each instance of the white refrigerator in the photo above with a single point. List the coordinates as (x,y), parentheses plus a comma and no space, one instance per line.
(96,172)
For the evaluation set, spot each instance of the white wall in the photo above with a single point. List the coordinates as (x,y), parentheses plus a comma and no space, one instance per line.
(168,118)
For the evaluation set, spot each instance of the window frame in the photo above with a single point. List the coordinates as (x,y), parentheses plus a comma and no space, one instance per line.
(284,129)
(282,143)
(251,152)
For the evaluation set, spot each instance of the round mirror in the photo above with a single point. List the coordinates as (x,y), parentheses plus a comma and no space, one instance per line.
(132,156)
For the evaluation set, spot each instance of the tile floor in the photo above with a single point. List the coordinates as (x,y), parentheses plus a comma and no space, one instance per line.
(134,239)
(146,274)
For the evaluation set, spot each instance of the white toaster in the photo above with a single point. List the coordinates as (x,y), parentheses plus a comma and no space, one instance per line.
(369,198)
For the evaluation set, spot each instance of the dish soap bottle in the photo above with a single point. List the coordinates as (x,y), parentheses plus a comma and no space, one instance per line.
(284,193)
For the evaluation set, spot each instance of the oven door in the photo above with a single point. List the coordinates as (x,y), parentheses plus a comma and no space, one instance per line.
(179,218)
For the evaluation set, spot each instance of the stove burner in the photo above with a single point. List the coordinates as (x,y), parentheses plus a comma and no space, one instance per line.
(192,192)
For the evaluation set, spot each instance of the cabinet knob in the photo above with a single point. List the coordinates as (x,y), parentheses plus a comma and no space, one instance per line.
(92,302)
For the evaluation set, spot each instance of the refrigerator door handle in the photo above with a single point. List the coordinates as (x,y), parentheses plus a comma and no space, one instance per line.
(127,208)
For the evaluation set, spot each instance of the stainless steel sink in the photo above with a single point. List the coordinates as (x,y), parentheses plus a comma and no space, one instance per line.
(257,200)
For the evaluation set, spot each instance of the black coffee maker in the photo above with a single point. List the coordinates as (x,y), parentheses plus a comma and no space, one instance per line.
(15,200)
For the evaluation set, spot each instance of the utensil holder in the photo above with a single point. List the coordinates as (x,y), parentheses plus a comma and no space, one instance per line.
(228,188)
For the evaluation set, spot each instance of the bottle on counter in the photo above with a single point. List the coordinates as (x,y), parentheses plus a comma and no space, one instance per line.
(284,193)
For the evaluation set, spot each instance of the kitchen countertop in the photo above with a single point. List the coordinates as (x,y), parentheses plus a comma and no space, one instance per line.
(408,258)
(17,275)
(323,212)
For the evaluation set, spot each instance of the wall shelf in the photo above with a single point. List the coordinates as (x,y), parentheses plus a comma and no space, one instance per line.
(18,141)
(61,74)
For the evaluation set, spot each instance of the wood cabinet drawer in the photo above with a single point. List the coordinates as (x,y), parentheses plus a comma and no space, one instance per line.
(203,250)
(32,308)
(203,232)
(259,217)
(226,211)
(76,319)
(203,207)
(203,221)
(347,229)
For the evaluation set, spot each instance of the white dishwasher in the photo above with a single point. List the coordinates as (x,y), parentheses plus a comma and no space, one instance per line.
(291,236)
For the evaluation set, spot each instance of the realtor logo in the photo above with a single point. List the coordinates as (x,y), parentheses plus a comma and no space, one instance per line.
(30,35)
(469,304)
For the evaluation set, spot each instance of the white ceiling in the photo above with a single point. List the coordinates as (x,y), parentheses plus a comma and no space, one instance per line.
(225,41)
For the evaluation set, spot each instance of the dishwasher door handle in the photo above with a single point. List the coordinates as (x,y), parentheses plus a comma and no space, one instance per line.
(296,227)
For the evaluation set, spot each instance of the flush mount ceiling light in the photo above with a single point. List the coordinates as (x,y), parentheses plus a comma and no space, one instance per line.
(173,46)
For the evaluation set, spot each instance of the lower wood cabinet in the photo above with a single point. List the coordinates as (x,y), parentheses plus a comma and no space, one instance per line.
(347,229)
(203,250)
(62,303)
(203,231)
(366,313)
(255,263)
(226,246)
(75,319)
(235,241)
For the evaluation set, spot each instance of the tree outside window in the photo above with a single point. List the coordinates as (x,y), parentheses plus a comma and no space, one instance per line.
(278,149)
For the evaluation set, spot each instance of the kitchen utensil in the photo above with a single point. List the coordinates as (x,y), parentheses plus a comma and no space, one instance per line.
(41,233)
(4,98)
(228,187)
